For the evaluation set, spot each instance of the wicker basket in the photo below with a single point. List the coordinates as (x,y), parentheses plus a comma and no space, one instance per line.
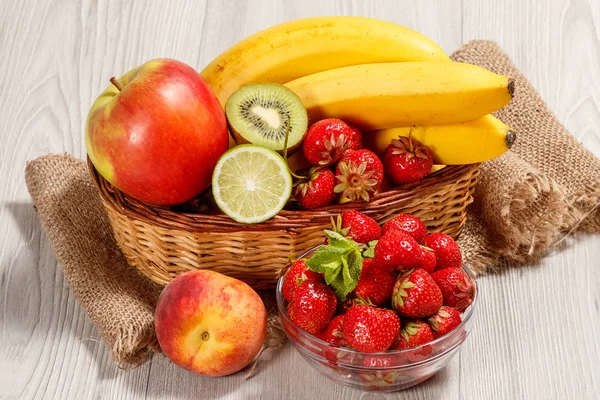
(162,243)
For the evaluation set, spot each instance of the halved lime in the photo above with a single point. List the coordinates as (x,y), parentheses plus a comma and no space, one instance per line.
(251,183)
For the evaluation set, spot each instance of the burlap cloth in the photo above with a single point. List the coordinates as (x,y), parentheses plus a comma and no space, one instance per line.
(525,200)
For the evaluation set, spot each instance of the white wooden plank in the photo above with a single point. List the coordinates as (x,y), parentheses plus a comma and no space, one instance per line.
(57,56)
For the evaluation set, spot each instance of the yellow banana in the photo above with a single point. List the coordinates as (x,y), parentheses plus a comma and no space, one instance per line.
(387,95)
(462,143)
(302,47)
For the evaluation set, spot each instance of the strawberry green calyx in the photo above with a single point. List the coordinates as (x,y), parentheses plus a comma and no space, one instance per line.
(401,294)
(465,292)
(360,300)
(355,181)
(404,145)
(333,147)
(336,226)
(340,261)
(301,279)
(409,329)
(436,319)
(369,252)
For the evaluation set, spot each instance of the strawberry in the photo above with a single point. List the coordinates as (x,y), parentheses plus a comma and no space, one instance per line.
(405,160)
(317,189)
(361,227)
(369,329)
(355,141)
(359,174)
(334,333)
(456,287)
(416,295)
(375,285)
(296,275)
(447,252)
(413,334)
(409,224)
(396,249)
(428,261)
(445,320)
(326,141)
(312,306)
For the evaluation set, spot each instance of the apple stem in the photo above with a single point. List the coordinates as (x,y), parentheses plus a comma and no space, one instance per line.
(115,82)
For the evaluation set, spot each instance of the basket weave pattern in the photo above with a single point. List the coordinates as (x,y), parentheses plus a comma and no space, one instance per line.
(162,243)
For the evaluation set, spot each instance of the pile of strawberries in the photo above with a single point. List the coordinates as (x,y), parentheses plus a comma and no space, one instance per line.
(408,290)
(332,145)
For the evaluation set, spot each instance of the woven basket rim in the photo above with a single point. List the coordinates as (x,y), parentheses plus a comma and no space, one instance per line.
(286,219)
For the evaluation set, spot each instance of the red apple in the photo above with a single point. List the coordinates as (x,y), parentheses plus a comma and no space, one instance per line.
(210,323)
(159,137)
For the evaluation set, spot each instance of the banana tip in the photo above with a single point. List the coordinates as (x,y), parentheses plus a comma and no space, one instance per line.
(511,137)
(511,87)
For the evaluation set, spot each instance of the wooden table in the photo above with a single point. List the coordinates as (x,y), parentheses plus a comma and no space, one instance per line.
(537,332)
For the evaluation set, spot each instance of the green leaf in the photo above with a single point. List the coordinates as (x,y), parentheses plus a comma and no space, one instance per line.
(332,270)
(340,261)
(338,240)
(323,257)
(346,281)
(355,265)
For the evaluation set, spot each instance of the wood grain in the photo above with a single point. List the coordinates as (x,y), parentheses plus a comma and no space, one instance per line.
(537,329)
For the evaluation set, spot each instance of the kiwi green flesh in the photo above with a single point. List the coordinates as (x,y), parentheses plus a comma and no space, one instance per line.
(261,113)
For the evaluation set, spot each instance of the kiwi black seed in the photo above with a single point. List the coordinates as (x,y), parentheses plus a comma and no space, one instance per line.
(262,113)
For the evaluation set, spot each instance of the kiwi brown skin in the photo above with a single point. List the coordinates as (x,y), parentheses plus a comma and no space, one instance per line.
(239,138)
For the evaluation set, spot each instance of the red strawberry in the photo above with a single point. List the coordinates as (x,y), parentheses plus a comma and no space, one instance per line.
(326,141)
(296,275)
(416,295)
(334,333)
(369,329)
(456,287)
(396,249)
(375,284)
(428,260)
(413,334)
(355,141)
(409,224)
(316,190)
(312,306)
(447,252)
(405,160)
(359,174)
(445,320)
(361,227)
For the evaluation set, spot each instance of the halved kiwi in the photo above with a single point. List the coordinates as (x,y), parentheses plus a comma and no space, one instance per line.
(260,113)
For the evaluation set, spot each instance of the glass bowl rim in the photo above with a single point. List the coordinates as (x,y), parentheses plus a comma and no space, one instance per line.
(465,318)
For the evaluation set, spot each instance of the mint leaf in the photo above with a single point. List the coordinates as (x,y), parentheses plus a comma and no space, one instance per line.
(332,270)
(370,251)
(338,240)
(324,256)
(340,261)
(346,279)
(355,265)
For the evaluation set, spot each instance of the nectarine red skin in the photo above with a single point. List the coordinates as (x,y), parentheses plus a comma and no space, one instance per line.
(210,323)
(158,139)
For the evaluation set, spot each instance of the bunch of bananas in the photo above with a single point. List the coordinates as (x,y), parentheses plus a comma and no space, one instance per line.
(383,78)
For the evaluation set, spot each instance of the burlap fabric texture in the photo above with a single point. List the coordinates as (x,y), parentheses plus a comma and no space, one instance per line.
(526,198)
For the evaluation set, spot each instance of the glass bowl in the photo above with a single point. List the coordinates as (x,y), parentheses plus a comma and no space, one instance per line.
(402,368)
